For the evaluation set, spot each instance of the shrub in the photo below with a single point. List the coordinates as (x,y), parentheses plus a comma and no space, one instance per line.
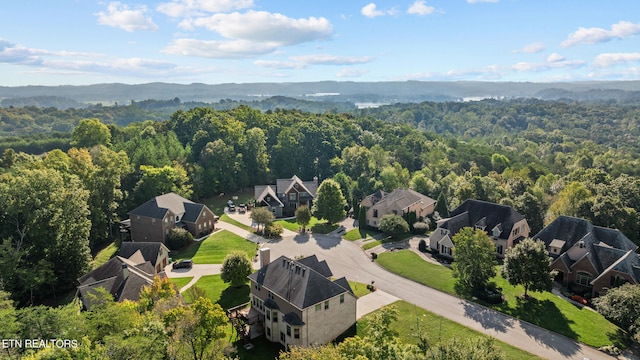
(273,230)
(178,238)
(420,227)
(422,246)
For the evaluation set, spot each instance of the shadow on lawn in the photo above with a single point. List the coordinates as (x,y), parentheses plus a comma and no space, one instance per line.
(545,315)
(234,296)
(186,253)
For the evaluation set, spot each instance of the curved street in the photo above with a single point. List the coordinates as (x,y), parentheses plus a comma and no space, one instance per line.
(347,259)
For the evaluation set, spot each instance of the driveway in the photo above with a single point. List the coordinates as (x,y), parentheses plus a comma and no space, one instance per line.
(347,259)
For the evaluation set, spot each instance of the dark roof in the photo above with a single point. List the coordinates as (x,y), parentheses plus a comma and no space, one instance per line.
(191,212)
(158,206)
(344,283)
(297,281)
(320,266)
(482,213)
(271,304)
(293,319)
(149,250)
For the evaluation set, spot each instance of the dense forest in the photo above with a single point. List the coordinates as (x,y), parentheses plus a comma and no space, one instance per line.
(62,191)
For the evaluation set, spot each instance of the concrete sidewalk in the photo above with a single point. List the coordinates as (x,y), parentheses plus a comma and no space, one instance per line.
(372,302)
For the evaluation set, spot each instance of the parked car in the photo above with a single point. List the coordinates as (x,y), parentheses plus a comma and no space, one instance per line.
(242,208)
(232,208)
(183,264)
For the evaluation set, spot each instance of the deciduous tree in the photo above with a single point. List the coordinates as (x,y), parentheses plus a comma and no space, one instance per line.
(527,264)
(89,133)
(393,225)
(303,216)
(262,216)
(329,203)
(475,259)
(621,305)
(235,268)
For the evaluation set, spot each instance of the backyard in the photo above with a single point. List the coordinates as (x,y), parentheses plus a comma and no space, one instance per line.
(543,309)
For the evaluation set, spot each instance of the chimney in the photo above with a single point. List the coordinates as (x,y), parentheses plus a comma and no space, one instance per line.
(265,257)
(125,271)
(315,180)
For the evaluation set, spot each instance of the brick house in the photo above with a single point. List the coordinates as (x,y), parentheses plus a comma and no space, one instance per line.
(153,220)
(286,195)
(591,259)
(295,303)
(398,202)
(502,223)
(155,253)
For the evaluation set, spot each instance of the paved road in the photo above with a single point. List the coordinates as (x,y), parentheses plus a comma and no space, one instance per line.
(347,259)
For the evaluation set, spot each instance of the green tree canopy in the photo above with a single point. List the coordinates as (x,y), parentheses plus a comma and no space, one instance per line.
(235,268)
(303,216)
(393,225)
(262,216)
(89,133)
(329,203)
(475,259)
(621,305)
(527,264)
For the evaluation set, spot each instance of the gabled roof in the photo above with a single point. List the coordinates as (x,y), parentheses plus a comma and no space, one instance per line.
(482,213)
(284,185)
(261,192)
(372,199)
(157,208)
(398,200)
(297,281)
(149,250)
(320,266)
(112,277)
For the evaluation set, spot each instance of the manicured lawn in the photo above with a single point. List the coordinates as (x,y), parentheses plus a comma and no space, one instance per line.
(104,255)
(220,292)
(543,309)
(359,289)
(371,244)
(180,282)
(315,224)
(215,248)
(412,319)
(218,203)
(357,234)
(226,218)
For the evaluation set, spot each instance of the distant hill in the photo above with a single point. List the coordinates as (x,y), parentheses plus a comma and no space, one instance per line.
(353,92)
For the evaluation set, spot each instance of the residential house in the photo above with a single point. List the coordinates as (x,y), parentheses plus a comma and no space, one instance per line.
(156,253)
(298,305)
(122,277)
(286,195)
(153,220)
(502,223)
(398,202)
(590,258)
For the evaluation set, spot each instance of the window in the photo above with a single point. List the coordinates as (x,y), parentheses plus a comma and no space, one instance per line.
(281,336)
(288,331)
(268,332)
(515,231)
(342,299)
(583,278)
(375,213)
(326,305)
(275,316)
(199,226)
(499,249)
(166,220)
(395,212)
(268,315)
(292,196)
(204,214)
(296,333)
(318,307)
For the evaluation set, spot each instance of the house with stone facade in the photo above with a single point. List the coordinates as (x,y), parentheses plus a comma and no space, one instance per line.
(153,220)
(295,302)
(286,195)
(591,259)
(398,202)
(502,223)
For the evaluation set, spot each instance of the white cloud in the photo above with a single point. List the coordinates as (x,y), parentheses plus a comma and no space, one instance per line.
(371,11)
(555,57)
(121,16)
(482,1)
(304,61)
(532,48)
(420,8)
(611,59)
(620,30)
(190,8)
(263,26)
(349,72)
(219,49)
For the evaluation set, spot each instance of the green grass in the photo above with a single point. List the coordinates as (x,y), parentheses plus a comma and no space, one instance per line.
(226,218)
(292,224)
(322,227)
(371,244)
(182,281)
(215,248)
(218,203)
(543,309)
(412,319)
(104,255)
(220,292)
(357,234)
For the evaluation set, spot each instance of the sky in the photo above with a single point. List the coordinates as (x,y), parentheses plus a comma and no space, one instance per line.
(81,42)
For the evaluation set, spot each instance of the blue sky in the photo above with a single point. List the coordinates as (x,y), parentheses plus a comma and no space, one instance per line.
(76,42)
